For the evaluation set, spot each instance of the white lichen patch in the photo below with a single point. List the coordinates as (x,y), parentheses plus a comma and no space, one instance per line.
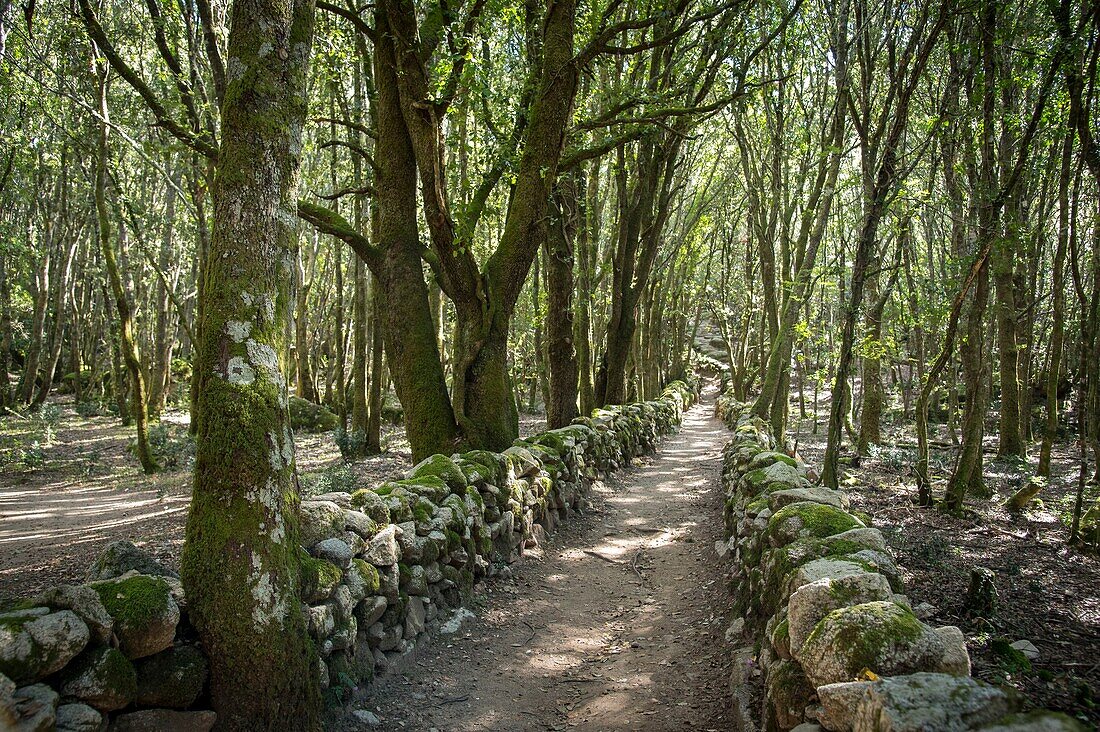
(262,355)
(288,446)
(238,330)
(275,453)
(269,602)
(238,371)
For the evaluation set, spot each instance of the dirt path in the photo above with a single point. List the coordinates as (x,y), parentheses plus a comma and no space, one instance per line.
(619,624)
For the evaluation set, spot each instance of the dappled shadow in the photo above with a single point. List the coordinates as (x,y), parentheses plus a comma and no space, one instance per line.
(619,626)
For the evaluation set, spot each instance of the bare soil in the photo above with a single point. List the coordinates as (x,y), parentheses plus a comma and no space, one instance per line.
(617,623)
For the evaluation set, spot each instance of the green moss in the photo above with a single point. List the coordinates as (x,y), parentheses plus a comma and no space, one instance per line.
(454,541)
(422,514)
(818,519)
(136,600)
(404,573)
(319,578)
(881,625)
(370,575)
(443,468)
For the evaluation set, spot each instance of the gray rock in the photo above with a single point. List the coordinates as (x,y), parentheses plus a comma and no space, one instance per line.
(334,550)
(370,610)
(101,677)
(881,636)
(319,520)
(173,678)
(163,720)
(360,523)
(956,659)
(926,701)
(389,582)
(340,498)
(35,643)
(415,617)
(1027,648)
(839,702)
(815,493)
(418,581)
(811,602)
(85,602)
(30,709)
(79,718)
(121,557)
(383,549)
(321,619)
(369,719)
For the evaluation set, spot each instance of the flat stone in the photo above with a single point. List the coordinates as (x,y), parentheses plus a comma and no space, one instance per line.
(929,701)
(814,493)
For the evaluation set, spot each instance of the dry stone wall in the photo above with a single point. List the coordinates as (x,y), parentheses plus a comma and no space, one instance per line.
(381,567)
(826,639)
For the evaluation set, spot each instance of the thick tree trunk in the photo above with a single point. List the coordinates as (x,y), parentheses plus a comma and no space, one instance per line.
(240,562)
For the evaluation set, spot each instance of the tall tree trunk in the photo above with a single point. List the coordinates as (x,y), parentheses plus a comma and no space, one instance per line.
(240,562)
(160,371)
(126,342)
(562,406)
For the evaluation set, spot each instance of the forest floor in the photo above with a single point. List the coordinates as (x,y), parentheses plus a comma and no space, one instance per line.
(1048,594)
(616,623)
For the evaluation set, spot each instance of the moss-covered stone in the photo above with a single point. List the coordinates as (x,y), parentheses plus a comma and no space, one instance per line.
(320,578)
(882,637)
(35,642)
(443,468)
(807,519)
(305,415)
(370,503)
(145,613)
(173,678)
(101,677)
(369,574)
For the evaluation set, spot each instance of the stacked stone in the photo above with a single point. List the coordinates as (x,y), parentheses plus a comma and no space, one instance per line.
(378,566)
(838,646)
(117,648)
(381,564)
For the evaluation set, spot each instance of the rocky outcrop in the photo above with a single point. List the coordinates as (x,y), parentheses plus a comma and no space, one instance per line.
(827,640)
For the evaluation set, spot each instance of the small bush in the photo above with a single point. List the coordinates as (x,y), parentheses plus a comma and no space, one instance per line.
(334,479)
(351,444)
(88,409)
(173,447)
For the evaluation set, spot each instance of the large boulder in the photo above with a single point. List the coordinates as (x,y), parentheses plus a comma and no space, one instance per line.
(35,642)
(882,637)
(121,557)
(173,678)
(101,677)
(144,610)
(305,415)
(914,703)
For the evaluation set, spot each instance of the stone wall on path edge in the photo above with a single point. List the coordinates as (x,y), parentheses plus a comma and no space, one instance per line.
(826,639)
(380,569)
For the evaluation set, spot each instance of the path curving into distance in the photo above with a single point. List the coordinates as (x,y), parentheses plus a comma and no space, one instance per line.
(617,623)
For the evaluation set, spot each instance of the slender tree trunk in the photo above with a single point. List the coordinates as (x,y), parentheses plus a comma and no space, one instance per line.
(240,562)
(127,344)
(562,405)
(160,373)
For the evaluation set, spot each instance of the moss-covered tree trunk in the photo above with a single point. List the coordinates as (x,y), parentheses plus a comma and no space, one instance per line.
(240,559)
(561,407)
